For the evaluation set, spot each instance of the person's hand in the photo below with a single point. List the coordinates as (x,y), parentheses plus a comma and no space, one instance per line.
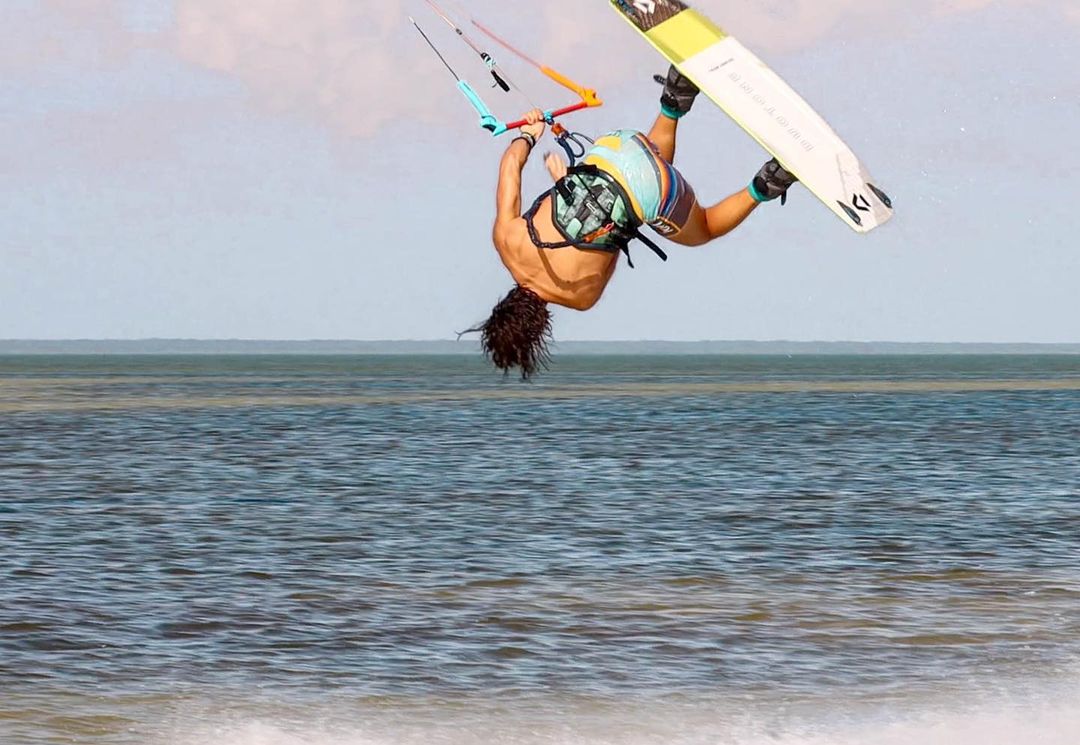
(536,124)
(556,166)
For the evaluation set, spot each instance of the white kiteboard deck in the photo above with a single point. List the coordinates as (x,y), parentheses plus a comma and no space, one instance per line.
(764,105)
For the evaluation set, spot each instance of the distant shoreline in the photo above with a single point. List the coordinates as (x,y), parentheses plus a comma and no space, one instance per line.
(195,347)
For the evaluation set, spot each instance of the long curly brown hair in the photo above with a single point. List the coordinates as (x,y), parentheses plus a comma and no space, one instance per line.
(517,333)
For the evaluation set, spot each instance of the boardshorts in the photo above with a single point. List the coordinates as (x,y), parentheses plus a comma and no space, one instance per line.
(660,196)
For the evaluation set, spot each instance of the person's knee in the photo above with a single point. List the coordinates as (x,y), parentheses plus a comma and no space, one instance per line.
(690,238)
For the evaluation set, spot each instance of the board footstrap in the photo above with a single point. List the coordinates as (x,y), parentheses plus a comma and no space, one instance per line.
(648,14)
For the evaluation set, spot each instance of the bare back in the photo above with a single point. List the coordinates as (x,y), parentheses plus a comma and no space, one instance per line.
(571,277)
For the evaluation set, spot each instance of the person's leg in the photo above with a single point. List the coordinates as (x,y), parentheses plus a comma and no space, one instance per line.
(676,101)
(683,220)
(663,134)
(708,224)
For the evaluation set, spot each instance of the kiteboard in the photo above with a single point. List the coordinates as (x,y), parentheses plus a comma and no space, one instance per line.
(764,105)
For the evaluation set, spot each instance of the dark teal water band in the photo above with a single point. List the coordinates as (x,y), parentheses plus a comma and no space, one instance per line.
(671,113)
(755,194)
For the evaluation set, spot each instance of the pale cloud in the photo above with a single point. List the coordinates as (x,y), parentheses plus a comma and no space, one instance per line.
(360,66)
(335,59)
(82,34)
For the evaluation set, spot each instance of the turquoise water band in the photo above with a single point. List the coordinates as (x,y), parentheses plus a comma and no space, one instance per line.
(671,113)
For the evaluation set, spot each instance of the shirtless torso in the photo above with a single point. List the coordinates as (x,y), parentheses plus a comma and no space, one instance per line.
(571,277)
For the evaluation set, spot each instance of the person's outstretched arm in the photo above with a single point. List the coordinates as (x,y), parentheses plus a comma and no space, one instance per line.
(508,192)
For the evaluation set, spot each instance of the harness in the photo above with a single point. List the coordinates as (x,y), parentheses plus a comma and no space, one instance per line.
(589,207)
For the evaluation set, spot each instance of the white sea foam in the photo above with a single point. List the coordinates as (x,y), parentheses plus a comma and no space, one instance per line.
(1049,722)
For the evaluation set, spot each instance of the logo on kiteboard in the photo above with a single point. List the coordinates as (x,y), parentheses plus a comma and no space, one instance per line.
(862,204)
(645,6)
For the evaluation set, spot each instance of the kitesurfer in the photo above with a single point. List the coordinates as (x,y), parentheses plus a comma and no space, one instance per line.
(594,210)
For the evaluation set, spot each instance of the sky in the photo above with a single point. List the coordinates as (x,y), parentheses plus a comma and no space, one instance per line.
(306,169)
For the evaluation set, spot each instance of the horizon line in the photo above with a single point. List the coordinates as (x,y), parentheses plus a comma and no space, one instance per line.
(179,346)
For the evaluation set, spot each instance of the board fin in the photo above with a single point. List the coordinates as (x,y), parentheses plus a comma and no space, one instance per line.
(855,216)
(882,196)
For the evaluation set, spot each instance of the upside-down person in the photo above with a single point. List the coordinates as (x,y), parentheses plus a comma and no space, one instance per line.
(628,180)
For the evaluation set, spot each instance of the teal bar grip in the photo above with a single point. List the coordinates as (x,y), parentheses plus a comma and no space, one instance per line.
(487,119)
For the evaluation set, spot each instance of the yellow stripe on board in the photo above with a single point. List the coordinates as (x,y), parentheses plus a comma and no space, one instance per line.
(685,35)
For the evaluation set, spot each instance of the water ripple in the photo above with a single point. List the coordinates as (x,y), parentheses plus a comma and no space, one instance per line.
(733,526)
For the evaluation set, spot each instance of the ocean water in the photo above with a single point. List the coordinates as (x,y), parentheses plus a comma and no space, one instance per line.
(629,550)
